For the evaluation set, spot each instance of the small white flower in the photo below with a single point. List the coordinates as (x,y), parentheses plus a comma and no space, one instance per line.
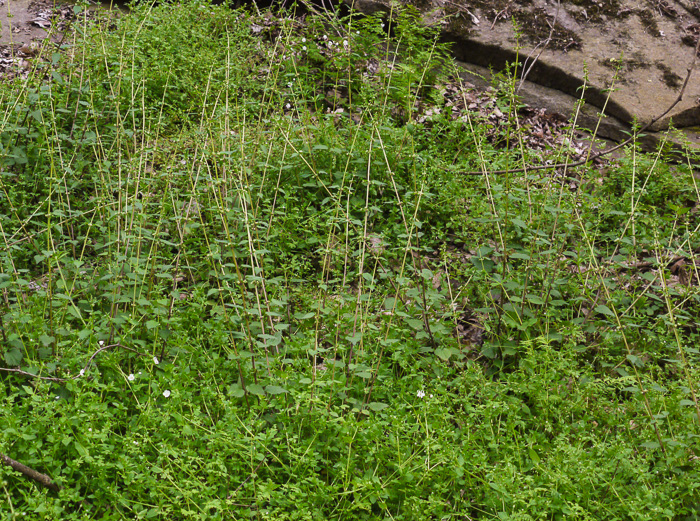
(358,32)
(303,48)
(56,398)
(155,360)
(136,443)
(431,395)
(345,43)
(139,372)
(90,429)
(325,37)
(101,342)
(131,377)
(166,393)
(382,26)
(287,106)
(82,372)
(303,40)
(420,394)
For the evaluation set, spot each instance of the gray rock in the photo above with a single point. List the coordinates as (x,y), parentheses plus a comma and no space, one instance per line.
(642,48)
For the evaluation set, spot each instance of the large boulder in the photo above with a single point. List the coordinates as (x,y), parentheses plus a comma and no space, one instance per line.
(642,48)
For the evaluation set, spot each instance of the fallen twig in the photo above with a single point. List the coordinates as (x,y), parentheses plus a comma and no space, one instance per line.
(32,375)
(40,478)
(84,370)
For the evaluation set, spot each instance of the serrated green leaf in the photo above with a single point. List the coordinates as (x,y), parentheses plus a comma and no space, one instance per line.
(444,353)
(415,323)
(522,256)
(534,299)
(75,312)
(13,357)
(533,456)
(255,389)
(482,264)
(605,310)
(275,389)
(354,338)
(236,391)
(81,450)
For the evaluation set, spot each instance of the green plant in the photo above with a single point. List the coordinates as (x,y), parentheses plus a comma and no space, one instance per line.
(257,284)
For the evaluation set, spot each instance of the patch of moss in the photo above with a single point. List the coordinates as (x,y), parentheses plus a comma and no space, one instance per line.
(584,16)
(689,40)
(648,21)
(495,5)
(669,77)
(535,24)
(420,4)
(636,61)
(691,35)
(460,24)
(596,11)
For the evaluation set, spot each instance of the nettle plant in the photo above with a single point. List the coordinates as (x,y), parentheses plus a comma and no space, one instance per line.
(258,284)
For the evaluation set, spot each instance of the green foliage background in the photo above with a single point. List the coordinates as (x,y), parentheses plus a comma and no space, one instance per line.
(244,276)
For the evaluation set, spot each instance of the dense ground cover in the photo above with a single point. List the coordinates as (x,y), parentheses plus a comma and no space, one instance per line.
(245,274)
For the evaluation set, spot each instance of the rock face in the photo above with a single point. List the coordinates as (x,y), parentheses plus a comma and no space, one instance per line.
(643,48)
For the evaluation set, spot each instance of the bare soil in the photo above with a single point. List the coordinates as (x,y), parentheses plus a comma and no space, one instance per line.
(28,28)
(27,21)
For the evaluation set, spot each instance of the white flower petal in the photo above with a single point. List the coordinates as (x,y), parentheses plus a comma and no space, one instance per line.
(166,393)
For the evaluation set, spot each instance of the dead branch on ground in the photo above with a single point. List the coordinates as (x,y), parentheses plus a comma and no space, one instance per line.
(30,473)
